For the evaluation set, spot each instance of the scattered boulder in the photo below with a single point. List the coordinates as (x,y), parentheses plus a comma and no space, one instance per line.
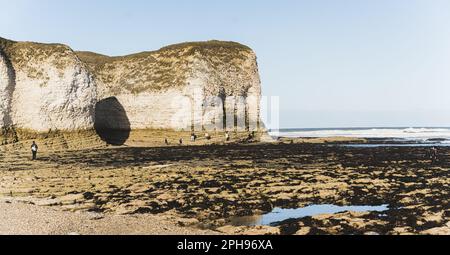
(245,230)
(187,222)
(72,199)
(303,231)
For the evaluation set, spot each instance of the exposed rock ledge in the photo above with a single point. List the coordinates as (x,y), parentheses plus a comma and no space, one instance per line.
(50,87)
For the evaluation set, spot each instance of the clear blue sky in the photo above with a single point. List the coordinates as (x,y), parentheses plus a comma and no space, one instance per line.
(333,63)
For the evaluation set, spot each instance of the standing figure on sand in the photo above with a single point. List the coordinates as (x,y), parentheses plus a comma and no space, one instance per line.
(34,150)
(227,136)
(193,137)
(434,155)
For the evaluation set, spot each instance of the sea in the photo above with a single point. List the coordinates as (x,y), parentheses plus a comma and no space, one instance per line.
(433,136)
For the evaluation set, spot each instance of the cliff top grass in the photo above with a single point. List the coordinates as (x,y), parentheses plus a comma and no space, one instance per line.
(190,47)
(4,43)
(187,49)
(29,56)
(156,70)
(8,46)
(165,68)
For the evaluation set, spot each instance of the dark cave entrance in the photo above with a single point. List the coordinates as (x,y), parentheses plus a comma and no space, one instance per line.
(111,121)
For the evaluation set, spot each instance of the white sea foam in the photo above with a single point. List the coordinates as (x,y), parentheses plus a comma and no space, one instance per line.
(392,133)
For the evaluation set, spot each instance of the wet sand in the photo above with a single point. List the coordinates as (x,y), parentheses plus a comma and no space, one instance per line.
(207,185)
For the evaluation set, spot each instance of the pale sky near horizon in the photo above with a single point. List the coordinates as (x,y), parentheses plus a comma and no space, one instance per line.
(347,63)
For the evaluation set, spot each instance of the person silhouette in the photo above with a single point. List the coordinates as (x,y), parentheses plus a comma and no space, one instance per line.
(34,150)
(434,154)
(227,136)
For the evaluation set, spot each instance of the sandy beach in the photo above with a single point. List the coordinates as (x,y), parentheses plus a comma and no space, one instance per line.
(199,189)
(20,218)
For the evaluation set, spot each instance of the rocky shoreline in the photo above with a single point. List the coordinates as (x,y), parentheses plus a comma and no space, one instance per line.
(209,184)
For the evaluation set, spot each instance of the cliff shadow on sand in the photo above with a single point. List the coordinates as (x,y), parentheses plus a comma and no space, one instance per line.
(111,121)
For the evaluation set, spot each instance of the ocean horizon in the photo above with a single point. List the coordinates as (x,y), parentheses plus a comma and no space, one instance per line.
(404,133)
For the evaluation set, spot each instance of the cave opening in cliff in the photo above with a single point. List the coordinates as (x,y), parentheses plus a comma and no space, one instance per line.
(111,121)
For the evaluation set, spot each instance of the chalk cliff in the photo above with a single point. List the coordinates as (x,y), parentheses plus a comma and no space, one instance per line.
(44,87)
(50,87)
(180,86)
(5,91)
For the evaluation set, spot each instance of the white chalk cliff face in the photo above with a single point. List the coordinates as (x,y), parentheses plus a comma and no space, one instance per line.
(181,86)
(206,84)
(47,88)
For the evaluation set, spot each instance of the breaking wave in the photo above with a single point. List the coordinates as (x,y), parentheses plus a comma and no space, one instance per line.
(401,133)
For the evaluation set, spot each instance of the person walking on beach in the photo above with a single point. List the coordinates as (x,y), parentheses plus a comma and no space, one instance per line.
(34,150)
(193,137)
(227,136)
(433,154)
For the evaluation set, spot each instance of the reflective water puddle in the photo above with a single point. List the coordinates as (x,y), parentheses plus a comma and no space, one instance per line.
(278,214)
